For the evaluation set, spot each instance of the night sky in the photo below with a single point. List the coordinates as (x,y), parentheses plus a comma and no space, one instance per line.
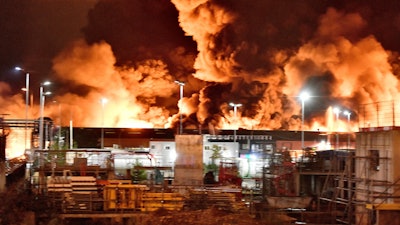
(261,53)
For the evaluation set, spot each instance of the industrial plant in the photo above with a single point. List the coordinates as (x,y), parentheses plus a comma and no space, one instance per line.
(310,177)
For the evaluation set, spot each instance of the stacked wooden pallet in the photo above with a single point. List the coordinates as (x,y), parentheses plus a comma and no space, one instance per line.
(58,184)
(83,184)
(154,201)
(75,193)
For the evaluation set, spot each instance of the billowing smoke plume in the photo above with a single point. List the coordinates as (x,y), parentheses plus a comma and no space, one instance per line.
(132,93)
(11,104)
(341,66)
(338,63)
(259,53)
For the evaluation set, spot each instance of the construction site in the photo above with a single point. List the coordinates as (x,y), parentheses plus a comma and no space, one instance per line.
(353,182)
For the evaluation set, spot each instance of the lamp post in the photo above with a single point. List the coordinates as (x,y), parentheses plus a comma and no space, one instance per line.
(235,106)
(103,102)
(347,113)
(59,123)
(26,100)
(181,84)
(337,111)
(42,100)
(304,97)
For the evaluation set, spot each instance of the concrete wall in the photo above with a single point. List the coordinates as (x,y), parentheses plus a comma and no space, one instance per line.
(396,161)
(377,169)
(189,160)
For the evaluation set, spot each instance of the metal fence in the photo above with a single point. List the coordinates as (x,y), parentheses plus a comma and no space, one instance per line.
(379,115)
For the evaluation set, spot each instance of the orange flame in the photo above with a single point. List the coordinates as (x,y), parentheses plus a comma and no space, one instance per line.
(355,70)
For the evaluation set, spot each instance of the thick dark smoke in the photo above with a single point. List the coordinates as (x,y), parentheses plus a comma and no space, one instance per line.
(260,53)
(141,30)
(261,42)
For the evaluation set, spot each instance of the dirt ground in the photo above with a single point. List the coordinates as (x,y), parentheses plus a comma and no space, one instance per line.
(212,216)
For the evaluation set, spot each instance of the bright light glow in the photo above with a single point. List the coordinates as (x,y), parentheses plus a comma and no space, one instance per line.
(304,96)
(180,83)
(46,83)
(347,113)
(15,147)
(18,68)
(323,145)
(173,155)
(103,101)
(336,110)
(235,105)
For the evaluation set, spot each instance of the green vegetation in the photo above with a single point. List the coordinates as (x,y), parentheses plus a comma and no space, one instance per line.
(217,154)
(138,174)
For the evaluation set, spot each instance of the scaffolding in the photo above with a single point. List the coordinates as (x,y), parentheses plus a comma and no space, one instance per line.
(367,190)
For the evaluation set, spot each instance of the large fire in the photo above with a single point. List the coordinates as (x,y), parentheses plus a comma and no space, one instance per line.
(337,69)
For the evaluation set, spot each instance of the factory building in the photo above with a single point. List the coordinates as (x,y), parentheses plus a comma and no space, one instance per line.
(354,175)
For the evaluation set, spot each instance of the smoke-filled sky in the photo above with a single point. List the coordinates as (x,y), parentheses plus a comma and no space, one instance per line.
(260,53)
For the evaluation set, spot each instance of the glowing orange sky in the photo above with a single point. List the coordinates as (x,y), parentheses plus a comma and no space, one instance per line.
(360,70)
(349,63)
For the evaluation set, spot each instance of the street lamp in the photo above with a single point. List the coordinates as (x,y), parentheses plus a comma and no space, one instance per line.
(235,106)
(347,113)
(59,122)
(42,100)
(181,84)
(103,102)
(304,97)
(337,111)
(26,100)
